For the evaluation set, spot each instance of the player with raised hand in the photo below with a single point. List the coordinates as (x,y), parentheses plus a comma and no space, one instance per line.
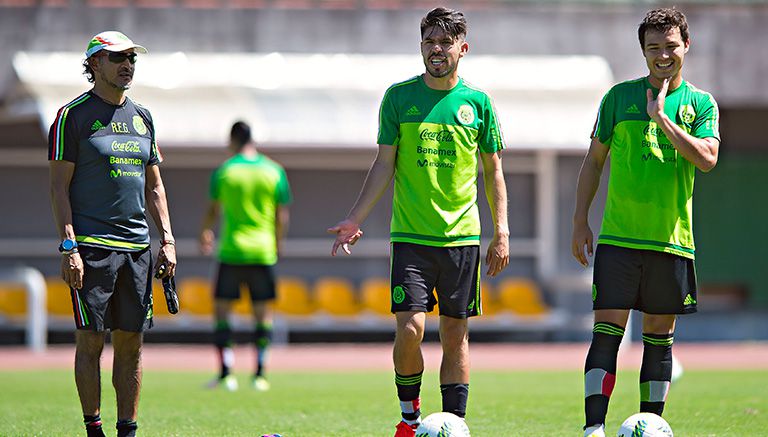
(645,252)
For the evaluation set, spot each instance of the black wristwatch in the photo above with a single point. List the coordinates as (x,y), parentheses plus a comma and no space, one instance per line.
(67,246)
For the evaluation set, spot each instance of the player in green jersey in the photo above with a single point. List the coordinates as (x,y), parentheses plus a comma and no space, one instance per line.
(251,194)
(658,130)
(431,130)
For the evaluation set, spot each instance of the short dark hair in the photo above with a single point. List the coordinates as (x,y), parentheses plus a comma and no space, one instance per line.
(450,21)
(88,70)
(663,20)
(240,134)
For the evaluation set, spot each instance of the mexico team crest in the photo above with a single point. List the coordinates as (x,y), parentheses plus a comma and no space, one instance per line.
(466,114)
(138,124)
(687,114)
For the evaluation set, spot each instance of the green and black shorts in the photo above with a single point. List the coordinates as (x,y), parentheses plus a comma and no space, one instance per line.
(422,276)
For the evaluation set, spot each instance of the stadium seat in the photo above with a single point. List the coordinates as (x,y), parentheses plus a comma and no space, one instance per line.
(488,298)
(13,300)
(336,296)
(521,296)
(59,299)
(375,295)
(293,297)
(159,307)
(195,296)
(242,306)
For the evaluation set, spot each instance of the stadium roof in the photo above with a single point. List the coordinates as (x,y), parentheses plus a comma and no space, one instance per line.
(321,100)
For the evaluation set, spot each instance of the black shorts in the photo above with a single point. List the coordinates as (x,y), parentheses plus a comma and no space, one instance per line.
(117,290)
(646,280)
(260,280)
(454,272)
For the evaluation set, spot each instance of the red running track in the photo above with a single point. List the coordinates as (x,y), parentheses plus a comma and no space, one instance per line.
(346,357)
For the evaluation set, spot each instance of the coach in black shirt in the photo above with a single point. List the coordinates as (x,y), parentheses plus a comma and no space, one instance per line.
(104,172)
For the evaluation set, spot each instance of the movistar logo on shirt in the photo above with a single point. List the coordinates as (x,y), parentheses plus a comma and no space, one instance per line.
(443,136)
(427,163)
(118,173)
(632,109)
(413,111)
(97,125)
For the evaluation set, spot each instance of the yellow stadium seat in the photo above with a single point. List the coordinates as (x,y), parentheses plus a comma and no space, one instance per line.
(13,300)
(375,295)
(436,310)
(195,296)
(293,297)
(490,303)
(159,307)
(336,296)
(242,306)
(522,296)
(59,299)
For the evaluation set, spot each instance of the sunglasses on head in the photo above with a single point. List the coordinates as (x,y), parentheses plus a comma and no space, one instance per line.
(119,58)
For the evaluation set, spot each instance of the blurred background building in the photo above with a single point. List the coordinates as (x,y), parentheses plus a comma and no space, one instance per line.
(309,74)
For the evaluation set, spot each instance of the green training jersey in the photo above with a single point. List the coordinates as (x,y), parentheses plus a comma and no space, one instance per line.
(249,191)
(438,135)
(650,189)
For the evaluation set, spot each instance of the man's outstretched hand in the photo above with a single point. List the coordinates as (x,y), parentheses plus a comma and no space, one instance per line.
(347,233)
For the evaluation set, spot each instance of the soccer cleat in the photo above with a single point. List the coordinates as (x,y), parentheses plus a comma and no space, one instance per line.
(260,383)
(595,431)
(228,382)
(405,430)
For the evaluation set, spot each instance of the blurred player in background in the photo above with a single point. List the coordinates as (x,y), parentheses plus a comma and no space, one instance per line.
(251,193)
(432,128)
(104,171)
(658,130)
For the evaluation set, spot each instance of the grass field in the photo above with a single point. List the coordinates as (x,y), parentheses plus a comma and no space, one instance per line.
(702,403)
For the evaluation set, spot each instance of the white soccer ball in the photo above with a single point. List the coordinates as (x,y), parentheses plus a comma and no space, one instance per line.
(645,425)
(442,425)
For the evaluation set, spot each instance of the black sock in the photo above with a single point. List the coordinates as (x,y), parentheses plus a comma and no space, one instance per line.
(408,389)
(222,338)
(600,371)
(655,372)
(455,398)
(93,426)
(126,428)
(262,339)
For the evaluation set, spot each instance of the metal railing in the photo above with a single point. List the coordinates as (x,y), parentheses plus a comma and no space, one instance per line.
(34,285)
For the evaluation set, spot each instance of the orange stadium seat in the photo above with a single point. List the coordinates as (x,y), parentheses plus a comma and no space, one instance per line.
(293,297)
(336,296)
(59,299)
(522,296)
(13,300)
(375,295)
(195,296)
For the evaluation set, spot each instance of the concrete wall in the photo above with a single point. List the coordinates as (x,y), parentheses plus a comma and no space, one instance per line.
(728,57)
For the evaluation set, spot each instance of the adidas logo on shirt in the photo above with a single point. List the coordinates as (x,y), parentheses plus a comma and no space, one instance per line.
(633,109)
(97,125)
(413,111)
(689,300)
